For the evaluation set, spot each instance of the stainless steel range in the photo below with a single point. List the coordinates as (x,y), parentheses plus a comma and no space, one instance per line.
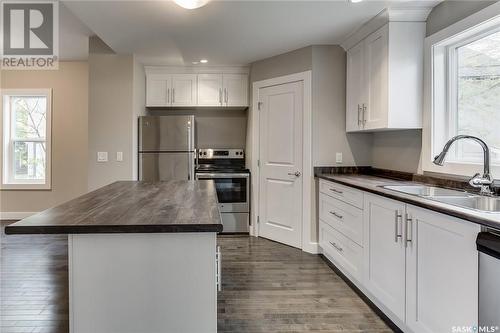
(232,181)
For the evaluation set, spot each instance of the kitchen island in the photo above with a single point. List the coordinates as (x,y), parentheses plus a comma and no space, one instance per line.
(142,256)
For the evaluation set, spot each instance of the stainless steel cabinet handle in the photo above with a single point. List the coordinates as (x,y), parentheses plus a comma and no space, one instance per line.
(168,96)
(364,114)
(337,247)
(218,258)
(336,191)
(296,173)
(397,220)
(173,95)
(225,95)
(337,215)
(409,231)
(220,96)
(359,116)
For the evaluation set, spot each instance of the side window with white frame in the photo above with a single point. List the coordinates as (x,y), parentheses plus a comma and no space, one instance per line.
(26,115)
(465,95)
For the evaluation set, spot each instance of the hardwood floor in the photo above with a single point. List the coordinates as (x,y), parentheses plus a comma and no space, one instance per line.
(33,283)
(267,287)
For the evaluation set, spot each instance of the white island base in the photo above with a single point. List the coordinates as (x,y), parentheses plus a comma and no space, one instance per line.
(143,283)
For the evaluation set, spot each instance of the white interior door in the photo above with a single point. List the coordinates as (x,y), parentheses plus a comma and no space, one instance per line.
(280,183)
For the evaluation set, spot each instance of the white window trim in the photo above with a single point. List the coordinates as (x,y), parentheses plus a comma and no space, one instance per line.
(7,184)
(471,27)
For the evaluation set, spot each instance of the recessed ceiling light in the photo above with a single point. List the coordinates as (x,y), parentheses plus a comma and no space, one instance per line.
(203,61)
(191,4)
(355,1)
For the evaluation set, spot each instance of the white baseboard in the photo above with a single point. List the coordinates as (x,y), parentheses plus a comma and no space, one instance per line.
(15,215)
(311,247)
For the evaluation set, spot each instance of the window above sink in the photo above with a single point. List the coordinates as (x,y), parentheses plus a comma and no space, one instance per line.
(462,85)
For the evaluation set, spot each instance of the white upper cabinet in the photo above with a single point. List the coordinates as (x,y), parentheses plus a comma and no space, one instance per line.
(355,87)
(157,90)
(210,90)
(184,90)
(385,74)
(170,90)
(170,87)
(375,106)
(235,89)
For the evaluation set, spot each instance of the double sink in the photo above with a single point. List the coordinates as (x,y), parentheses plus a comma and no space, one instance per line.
(451,197)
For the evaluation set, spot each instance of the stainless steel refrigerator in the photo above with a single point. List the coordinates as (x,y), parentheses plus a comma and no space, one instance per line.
(166,148)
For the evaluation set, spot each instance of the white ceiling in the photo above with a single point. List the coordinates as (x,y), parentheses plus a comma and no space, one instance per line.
(224,32)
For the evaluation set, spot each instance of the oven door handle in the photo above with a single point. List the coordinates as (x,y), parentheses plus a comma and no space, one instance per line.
(221,175)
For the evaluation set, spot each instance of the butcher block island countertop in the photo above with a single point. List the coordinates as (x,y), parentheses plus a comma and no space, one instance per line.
(142,256)
(131,207)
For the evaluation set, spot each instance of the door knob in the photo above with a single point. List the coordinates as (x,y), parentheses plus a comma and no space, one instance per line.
(296,174)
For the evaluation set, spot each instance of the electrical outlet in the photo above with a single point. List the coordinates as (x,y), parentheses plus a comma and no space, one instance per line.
(119,156)
(338,157)
(102,156)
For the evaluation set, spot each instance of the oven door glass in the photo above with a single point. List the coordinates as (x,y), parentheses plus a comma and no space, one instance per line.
(231,190)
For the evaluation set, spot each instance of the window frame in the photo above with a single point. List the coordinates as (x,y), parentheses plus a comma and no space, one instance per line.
(440,71)
(7,166)
(452,54)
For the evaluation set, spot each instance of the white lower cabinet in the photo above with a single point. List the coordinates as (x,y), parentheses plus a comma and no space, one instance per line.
(384,253)
(418,266)
(441,272)
(343,251)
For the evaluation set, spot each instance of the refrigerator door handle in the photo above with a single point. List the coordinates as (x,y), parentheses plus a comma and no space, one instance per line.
(190,147)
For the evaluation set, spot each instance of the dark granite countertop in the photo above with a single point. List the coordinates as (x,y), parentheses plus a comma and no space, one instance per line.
(131,207)
(373,184)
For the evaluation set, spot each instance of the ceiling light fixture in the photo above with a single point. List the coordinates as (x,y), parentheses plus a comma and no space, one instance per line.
(191,4)
(203,61)
(355,1)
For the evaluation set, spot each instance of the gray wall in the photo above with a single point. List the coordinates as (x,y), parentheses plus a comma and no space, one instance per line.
(401,150)
(287,63)
(449,12)
(328,111)
(397,150)
(139,86)
(111,110)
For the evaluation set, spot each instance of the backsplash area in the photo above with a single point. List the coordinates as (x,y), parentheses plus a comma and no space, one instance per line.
(442,180)
(215,128)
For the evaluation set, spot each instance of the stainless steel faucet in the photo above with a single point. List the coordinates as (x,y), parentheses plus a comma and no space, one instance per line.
(485,181)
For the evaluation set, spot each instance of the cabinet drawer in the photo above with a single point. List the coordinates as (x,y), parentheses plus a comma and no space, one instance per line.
(346,254)
(341,192)
(343,217)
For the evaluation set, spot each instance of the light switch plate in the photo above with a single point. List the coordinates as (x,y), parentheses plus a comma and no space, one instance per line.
(119,156)
(102,156)
(338,157)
